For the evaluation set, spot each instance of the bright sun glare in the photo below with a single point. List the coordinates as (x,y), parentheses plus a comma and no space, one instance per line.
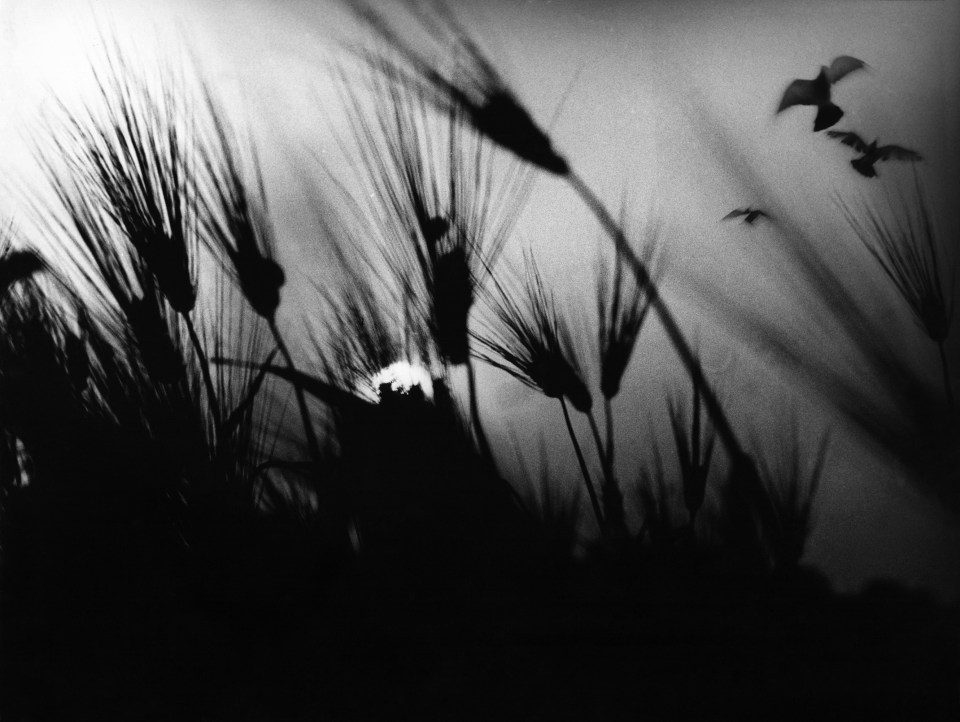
(402,376)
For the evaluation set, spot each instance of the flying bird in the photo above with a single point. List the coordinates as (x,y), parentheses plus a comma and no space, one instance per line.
(749,215)
(870,154)
(817,91)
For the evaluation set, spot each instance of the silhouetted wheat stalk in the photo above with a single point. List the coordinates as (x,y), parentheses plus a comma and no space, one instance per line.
(622,308)
(131,157)
(534,344)
(443,209)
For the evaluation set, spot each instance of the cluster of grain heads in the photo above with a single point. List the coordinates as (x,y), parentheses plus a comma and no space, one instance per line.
(129,187)
(472,84)
(905,245)
(111,271)
(443,209)
(141,155)
(137,191)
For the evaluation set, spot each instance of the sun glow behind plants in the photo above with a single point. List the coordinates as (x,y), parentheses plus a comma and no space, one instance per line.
(401,377)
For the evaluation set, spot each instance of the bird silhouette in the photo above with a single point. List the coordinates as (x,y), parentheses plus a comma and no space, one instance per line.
(817,91)
(871,153)
(749,215)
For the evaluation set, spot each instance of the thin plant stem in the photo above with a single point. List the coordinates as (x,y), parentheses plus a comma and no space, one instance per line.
(608,419)
(601,451)
(674,334)
(312,445)
(948,388)
(594,501)
(612,498)
(205,371)
(475,418)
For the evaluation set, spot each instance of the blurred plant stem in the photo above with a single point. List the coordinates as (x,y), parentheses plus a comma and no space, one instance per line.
(594,501)
(482,441)
(207,379)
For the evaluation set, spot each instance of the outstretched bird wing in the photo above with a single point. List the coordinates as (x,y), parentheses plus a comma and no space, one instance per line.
(895,152)
(736,212)
(799,92)
(851,139)
(843,66)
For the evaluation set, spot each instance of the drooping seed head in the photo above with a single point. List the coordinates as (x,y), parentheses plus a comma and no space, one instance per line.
(134,153)
(533,343)
(235,220)
(260,280)
(471,83)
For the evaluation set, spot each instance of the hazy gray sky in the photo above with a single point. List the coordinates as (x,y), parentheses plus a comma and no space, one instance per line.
(616,83)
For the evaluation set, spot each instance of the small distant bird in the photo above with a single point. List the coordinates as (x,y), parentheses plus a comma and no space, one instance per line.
(749,215)
(817,91)
(871,153)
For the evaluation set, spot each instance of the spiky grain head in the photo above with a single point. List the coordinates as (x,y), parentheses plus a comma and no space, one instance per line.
(132,148)
(532,342)
(622,306)
(443,206)
(470,83)
(235,221)
(106,267)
